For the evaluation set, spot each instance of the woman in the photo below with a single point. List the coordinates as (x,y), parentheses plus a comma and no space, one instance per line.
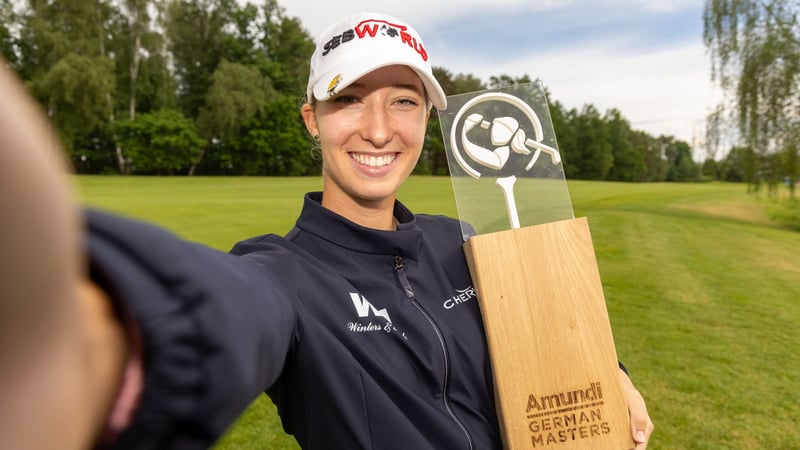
(342,320)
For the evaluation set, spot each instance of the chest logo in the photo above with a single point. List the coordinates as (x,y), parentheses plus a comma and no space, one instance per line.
(461,296)
(364,307)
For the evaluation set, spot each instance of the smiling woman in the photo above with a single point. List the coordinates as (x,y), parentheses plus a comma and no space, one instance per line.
(371,135)
(369,96)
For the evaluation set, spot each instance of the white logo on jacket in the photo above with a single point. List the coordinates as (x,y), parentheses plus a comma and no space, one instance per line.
(462,296)
(363,307)
(365,310)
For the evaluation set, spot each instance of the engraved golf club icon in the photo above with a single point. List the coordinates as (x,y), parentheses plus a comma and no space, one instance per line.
(506,136)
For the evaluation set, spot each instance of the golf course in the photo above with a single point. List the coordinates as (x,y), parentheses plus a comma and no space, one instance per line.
(702,284)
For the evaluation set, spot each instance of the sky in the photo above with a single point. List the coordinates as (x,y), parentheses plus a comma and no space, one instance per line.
(645,58)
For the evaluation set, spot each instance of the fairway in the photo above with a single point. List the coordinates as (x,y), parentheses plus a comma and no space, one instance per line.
(703,291)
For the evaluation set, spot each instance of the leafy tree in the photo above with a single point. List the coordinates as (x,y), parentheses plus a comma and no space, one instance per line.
(237,43)
(138,50)
(274,143)
(681,167)
(52,30)
(76,92)
(563,121)
(737,164)
(162,142)
(755,53)
(711,169)
(237,94)
(593,157)
(499,81)
(195,29)
(654,159)
(628,158)
(433,160)
(285,139)
(654,164)
(64,56)
(8,41)
(457,84)
(288,48)
(139,55)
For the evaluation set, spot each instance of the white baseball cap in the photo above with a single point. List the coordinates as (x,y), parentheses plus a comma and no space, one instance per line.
(356,46)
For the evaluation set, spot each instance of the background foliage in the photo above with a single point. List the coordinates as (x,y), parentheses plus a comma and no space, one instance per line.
(236,72)
(755,51)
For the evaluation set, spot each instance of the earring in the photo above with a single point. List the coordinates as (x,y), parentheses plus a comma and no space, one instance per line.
(316,137)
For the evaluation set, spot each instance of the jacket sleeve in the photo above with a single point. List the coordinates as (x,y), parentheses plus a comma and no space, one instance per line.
(215,327)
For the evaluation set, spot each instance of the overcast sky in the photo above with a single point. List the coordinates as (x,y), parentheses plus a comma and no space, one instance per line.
(643,57)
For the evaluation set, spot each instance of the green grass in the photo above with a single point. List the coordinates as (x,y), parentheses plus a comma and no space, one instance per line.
(702,285)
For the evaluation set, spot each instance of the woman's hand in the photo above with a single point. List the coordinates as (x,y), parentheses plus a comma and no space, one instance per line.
(641,425)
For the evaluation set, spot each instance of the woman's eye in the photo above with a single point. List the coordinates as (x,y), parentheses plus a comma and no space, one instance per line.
(345,99)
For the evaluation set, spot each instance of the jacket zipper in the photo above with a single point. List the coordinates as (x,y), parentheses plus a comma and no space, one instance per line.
(399,268)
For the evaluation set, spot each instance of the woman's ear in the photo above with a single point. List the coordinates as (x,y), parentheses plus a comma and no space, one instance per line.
(310,119)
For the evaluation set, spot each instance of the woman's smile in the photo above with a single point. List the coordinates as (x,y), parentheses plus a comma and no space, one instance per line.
(373,160)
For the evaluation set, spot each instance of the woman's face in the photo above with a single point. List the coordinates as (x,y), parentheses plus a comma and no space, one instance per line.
(371,134)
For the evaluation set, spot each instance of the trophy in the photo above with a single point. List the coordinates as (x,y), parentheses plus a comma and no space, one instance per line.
(555,368)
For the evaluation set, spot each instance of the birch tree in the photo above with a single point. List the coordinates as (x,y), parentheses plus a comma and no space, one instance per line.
(755,55)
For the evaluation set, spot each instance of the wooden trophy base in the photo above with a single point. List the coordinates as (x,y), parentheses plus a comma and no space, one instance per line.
(555,366)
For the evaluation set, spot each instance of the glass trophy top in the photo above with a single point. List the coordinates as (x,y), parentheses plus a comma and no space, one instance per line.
(504,162)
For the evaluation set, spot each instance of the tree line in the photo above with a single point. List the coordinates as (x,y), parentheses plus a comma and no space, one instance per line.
(213,87)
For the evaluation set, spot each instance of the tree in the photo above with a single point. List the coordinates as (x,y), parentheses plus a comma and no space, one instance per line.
(237,94)
(288,48)
(653,155)
(628,158)
(681,166)
(195,29)
(461,83)
(139,54)
(561,125)
(67,54)
(755,53)
(499,81)
(592,153)
(711,169)
(161,143)
(52,30)
(282,142)
(76,92)
(8,42)
(140,64)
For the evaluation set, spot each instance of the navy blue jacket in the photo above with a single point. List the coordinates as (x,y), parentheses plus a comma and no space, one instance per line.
(364,339)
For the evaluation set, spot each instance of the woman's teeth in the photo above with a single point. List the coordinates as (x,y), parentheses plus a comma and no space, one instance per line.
(372,160)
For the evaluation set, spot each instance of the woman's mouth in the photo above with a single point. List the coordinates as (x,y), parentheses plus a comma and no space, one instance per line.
(373,160)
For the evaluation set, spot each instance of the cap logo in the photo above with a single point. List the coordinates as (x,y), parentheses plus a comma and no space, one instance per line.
(374,28)
(334,84)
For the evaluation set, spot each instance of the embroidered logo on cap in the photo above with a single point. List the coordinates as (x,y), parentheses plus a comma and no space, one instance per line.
(373,28)
(334,84)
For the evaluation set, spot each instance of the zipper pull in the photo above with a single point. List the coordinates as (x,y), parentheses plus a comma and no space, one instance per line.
(399,268)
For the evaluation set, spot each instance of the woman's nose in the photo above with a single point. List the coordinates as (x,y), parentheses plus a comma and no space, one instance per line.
(376,126)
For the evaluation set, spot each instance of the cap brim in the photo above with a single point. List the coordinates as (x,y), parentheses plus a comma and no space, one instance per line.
(352,72)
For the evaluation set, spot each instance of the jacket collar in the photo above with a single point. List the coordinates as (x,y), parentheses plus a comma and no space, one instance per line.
(325,224)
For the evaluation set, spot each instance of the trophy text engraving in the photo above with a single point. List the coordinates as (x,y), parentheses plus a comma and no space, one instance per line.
(566,416)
